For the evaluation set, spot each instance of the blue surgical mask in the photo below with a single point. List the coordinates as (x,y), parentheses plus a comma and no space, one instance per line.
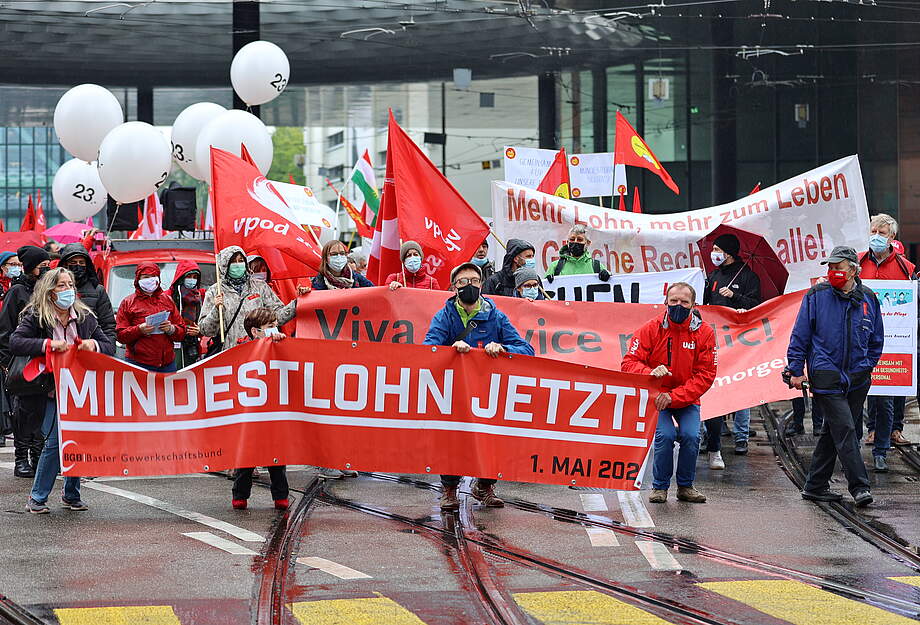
(414,263)
(530,263)
(190,283)
(338,262)
(479,262)
(13,271)
(65,299)
(270,331)
(878,243)
(530,292)
(677,313)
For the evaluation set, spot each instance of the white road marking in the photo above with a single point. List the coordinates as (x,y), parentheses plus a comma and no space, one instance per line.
(658,556)
(7,450)
(7,465)
(333,568)
(221,543)
(593,502)
(634,512)
(602,537)
(223,526)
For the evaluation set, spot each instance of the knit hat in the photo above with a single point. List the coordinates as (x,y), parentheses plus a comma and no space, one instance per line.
(5,256)
(525,274)
(405,247)
(729,244)
(31,257)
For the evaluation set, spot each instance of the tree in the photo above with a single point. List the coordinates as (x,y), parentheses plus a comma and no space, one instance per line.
(289,145)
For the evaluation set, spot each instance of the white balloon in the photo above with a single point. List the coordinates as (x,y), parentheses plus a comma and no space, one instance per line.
(83,117)
(227,132)
(185,131)
(259,72)
(134,160)
(77,190)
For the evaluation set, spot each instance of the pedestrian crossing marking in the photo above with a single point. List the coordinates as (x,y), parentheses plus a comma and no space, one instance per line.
(127,615)
(913,580)
(583,606)
(367,611)
(801,604)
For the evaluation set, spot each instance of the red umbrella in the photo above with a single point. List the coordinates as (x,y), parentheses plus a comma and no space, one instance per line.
(756,253)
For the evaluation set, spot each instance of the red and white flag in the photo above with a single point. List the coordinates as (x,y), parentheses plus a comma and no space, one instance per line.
(207,215)
(419,204)
(150,224)
(40,222)
(28,222)
(38,366)
(250,212)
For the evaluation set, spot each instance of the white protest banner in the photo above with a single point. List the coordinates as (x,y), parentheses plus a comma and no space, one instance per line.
(895,373)
(591,174)
(631,288)
(802,219)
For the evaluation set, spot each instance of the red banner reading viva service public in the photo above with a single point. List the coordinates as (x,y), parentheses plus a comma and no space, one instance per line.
(361,405)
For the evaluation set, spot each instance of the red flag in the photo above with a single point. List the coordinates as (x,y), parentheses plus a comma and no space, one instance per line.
(630,149)
(556,180)
(244,154)
(356,215)
(38,366)
(250,212)
(755,189)
(28,222)
(384,257)
(291,179)
(427,209)
(2,226)
(637,205)
(622,205)
(40,222)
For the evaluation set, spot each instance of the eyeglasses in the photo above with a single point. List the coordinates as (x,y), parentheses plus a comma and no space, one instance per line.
(462,282)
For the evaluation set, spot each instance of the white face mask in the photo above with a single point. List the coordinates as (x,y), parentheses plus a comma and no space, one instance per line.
(150,284)
(270,331)
(338,262)
(717,258)
(260,275)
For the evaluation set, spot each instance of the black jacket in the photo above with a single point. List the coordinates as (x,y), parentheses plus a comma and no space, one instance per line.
(743,282)
(91,292)
(29,337)
(502,281)
(13,304)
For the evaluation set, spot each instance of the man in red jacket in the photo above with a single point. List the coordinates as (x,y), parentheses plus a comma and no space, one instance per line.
(680,349)
(149,341)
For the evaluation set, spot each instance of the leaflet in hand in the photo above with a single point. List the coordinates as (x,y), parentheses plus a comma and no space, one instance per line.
(156,319)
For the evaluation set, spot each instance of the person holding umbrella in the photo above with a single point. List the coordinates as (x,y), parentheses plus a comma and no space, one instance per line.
(735,285)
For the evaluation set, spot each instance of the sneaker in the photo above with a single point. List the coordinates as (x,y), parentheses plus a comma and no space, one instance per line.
(37,508)
(330,474)
(870,440)
(239,504)
(449,499)
(77,505)
(862,498)
(690,494)
(658,496)
(715,461)
(824,495)
(486,495)
(881,466)
(793,429)
(741,448)
(282,504)
(898,439)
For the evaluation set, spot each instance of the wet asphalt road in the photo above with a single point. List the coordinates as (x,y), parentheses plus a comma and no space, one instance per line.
(173,551)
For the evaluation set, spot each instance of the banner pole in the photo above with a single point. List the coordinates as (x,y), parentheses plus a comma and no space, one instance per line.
(220,309)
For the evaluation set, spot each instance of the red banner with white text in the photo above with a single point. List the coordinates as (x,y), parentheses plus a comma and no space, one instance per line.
(364,406)
(752,345)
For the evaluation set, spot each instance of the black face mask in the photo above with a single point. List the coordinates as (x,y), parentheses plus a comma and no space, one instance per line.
(43,270)
(468,294)
(677,313)
(78,271)
(576,249)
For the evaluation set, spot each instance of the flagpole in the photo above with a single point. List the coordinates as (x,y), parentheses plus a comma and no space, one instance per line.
(220,309)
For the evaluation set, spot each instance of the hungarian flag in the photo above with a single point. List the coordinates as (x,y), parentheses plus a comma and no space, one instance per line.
(365,181)
(357,216)
(630,149)
(250,212)
(556,181)
(40,222)
(419,204)
(28,222)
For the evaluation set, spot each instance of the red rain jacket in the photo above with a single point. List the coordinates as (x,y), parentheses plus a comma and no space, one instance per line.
(418,280)
(153,350)
(687,349)
(894,267)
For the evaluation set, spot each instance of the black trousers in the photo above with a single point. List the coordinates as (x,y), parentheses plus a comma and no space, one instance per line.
(838,439)
(28,414)
(242,483)
(453,481)
(798,413)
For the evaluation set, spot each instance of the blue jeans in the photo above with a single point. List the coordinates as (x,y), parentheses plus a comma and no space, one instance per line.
(880,420)
(170,368)
(49,463)
(687,433)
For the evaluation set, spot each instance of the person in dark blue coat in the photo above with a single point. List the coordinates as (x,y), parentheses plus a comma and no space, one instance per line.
(470,321)
(334,272)
(839,333)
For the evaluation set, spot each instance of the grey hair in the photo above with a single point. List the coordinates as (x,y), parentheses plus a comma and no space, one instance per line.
(579,229)
(884,220)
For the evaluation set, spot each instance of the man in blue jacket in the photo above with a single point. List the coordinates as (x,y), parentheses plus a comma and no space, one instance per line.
(839,333)
(470,321)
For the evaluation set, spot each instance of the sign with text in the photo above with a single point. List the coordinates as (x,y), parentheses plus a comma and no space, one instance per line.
(591,175)
(802,219)
(633,288)
(752,345)
(895,373)
(367,406)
